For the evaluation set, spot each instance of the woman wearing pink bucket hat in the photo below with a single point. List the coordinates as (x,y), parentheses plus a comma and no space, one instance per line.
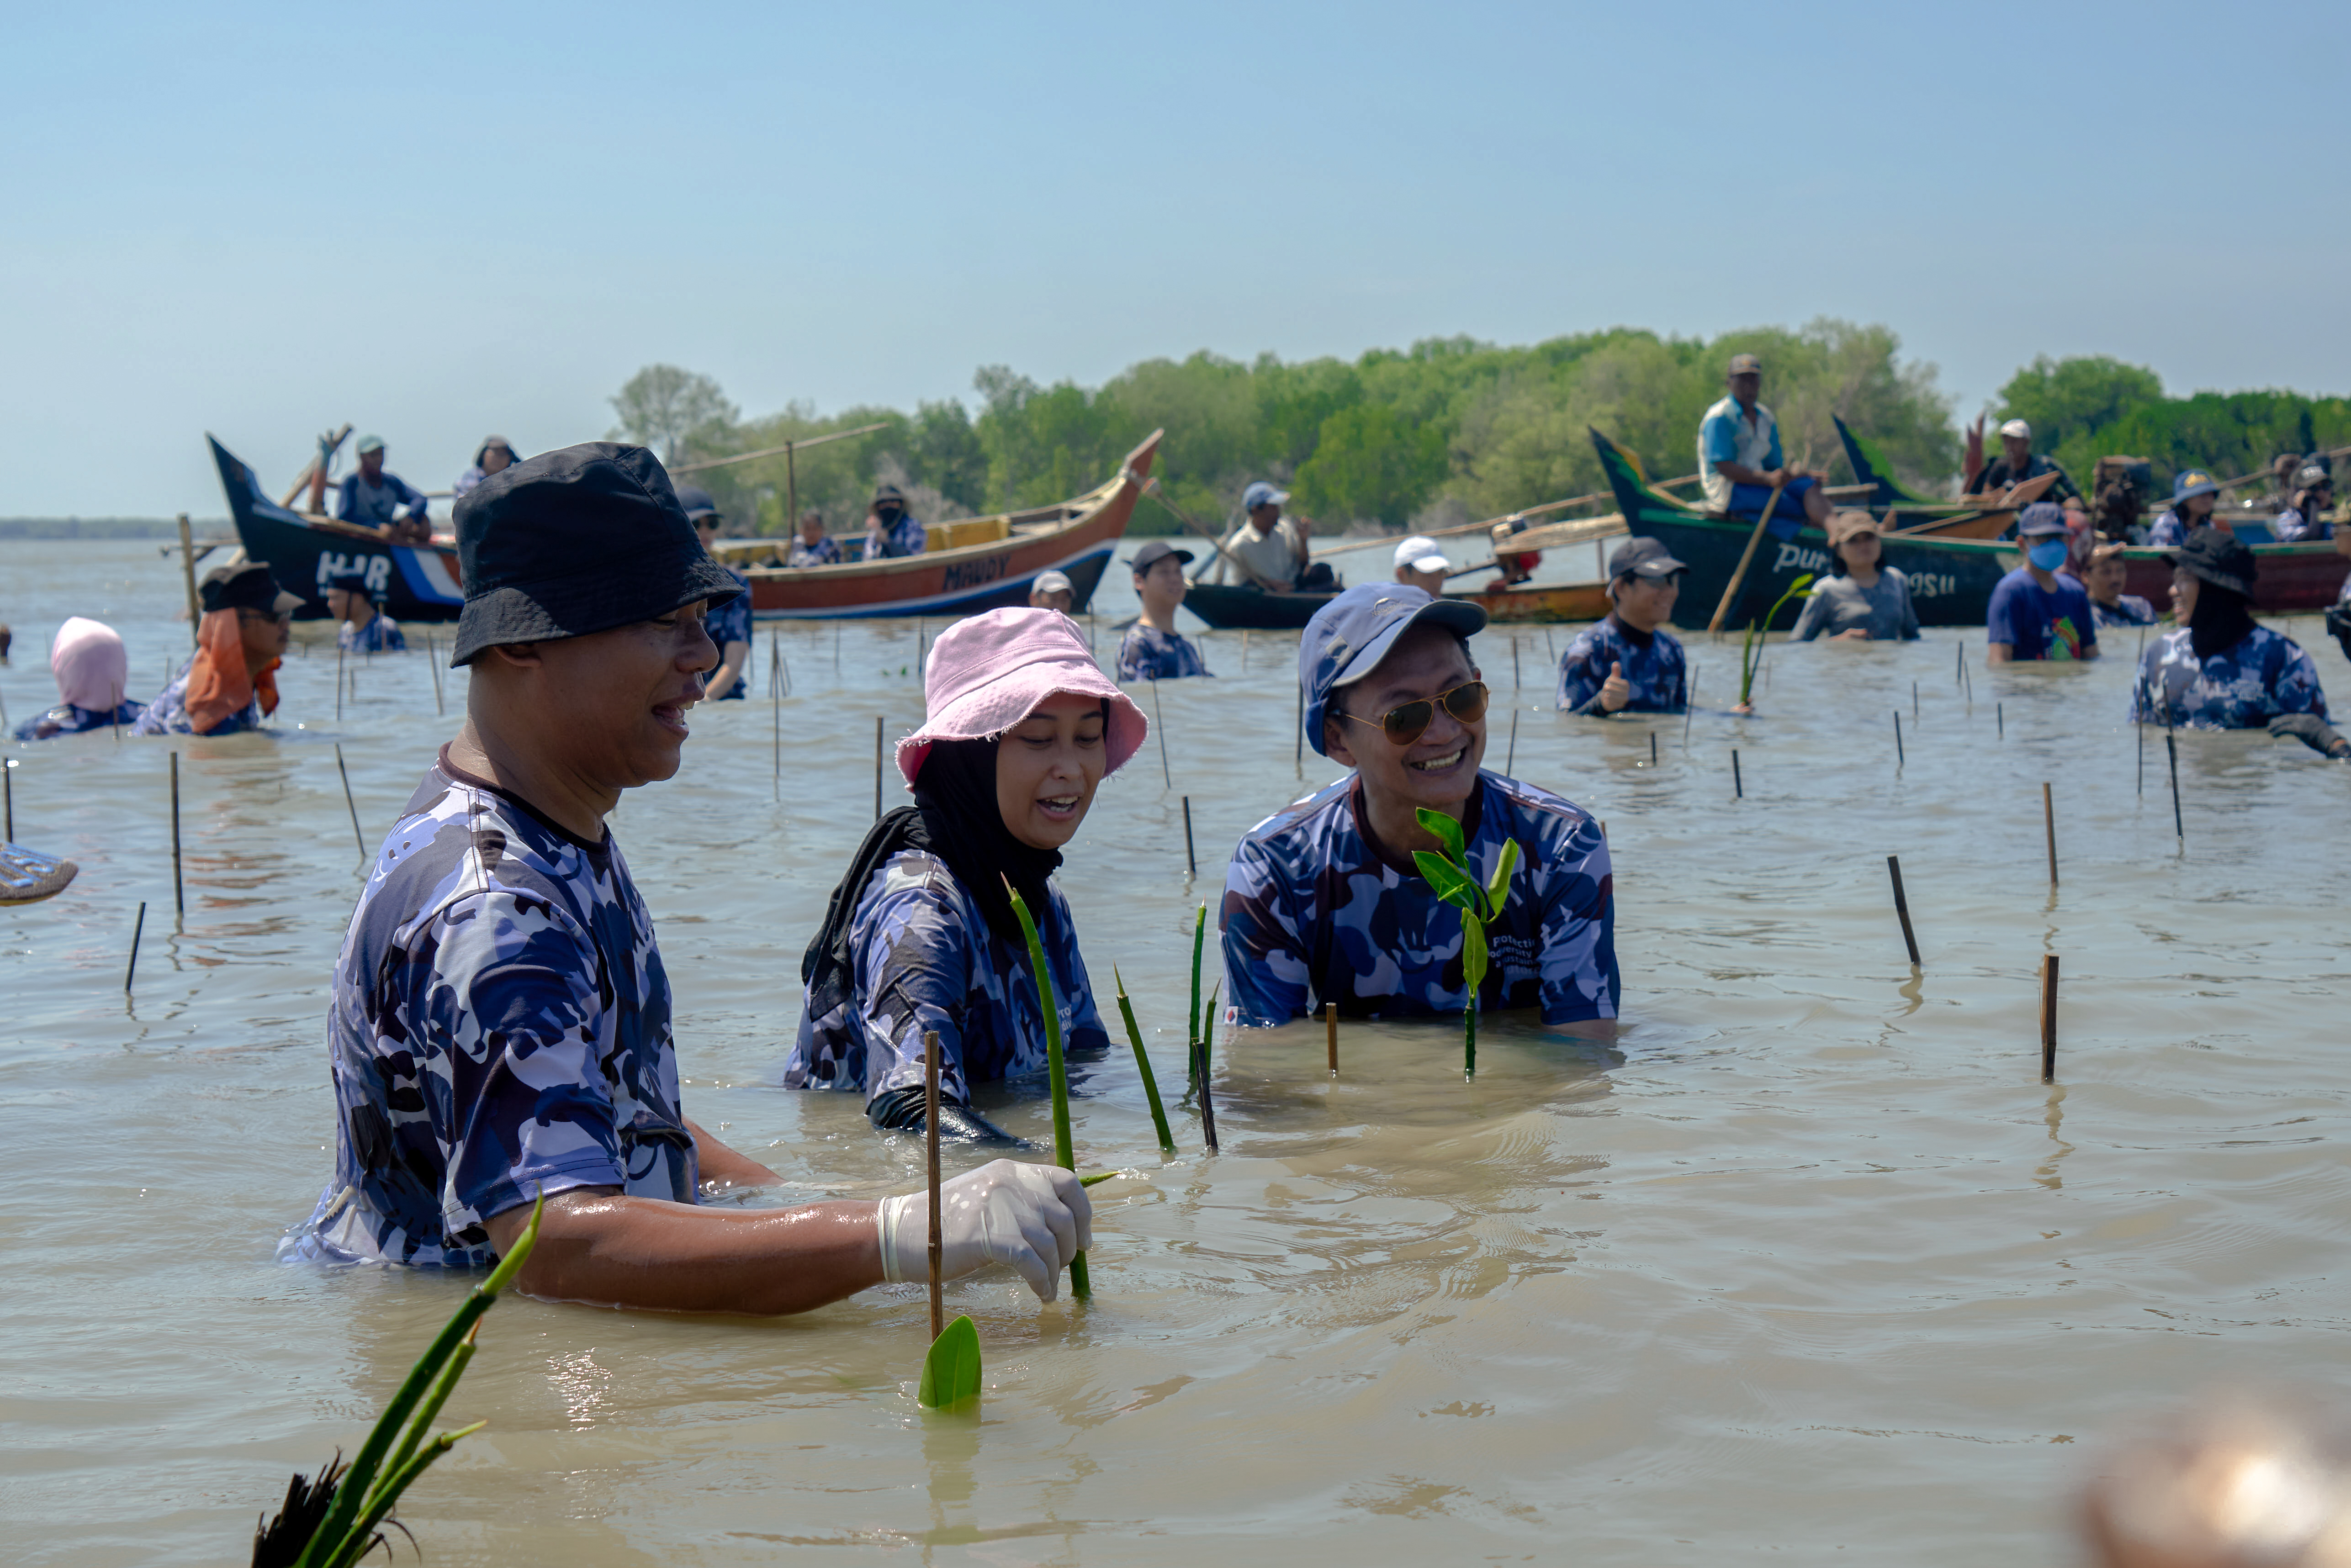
(920,934)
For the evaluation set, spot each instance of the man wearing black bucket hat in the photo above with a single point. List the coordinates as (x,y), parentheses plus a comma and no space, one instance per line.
(229,684)
(2220,670)
(891,531)
(500,1022)
(1324,902)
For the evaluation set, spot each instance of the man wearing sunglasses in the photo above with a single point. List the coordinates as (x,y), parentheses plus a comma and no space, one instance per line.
(1629,662)
(1324,903)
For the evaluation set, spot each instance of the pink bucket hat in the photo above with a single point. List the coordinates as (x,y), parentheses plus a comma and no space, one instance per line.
(989,671)
(87,659)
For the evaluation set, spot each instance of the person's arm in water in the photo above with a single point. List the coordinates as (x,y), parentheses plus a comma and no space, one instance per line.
(733,656)
(1578,962)
(723,1166)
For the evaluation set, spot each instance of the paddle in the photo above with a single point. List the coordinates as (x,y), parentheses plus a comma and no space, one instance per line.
(1730,590)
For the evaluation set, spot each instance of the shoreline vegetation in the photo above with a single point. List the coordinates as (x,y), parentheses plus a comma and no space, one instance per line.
(109,527)
(1445,431)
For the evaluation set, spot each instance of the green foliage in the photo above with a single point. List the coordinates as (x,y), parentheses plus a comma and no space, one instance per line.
(668,410)
(1455,880)
(1080,1285)
(951,1371)
(1750,654)
(1143,1064)
(2089,406)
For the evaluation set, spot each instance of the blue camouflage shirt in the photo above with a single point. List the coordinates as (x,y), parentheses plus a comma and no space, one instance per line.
(2241,689)
(65,719)
(1655,666)
(924,958)
(168,714)
(1315,913)
(731,622)
(906,537)
(499,1027)
(380,636)
(825,552)
(2170,529)
(2293,524)
(2128,609)
(1148,653)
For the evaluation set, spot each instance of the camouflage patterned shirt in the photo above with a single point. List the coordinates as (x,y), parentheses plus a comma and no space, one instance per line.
(1656,669)
(1314,913)
(168,714)
(2242,689)
(499,1027)
(926,960)
(1148,653)
(380,635)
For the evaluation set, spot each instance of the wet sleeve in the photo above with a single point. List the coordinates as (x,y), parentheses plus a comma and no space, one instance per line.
(913,974)
(1129,667)
(1812,620)
(1578,967)
(1999,615)
(505,994)
(2296,689)
(1580,672)
(1266,964)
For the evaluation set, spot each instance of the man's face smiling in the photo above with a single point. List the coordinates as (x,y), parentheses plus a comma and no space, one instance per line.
(621,695)
(1439,770)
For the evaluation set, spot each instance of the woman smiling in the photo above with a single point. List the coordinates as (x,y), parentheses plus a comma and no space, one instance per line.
(920,935)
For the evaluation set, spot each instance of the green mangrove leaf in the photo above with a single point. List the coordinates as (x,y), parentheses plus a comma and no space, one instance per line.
(1447,830)
(1498,888)
(1451,883)
(1473,954)
(951,1370)
(1199,942)
(1081,1285)
(1142,1065)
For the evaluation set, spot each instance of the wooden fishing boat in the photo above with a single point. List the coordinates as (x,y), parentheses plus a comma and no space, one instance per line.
(1951,578)
(975,565)
(412,582)
(1903,510)
(1229,608)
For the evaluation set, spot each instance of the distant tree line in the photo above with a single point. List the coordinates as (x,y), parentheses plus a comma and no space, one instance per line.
(1448,430)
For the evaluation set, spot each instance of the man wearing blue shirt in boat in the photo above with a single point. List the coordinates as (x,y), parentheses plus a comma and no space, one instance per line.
(1739,462)
(1629,664)
(729,624)
(2036,613)
(360,626)
(891,530)
(1324,903)
(1153,649)
(375,499)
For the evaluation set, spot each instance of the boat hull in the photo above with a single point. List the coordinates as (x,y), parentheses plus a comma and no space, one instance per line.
(412,582)
(1229,608)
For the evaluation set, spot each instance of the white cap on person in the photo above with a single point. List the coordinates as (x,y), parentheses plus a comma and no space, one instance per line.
(1420,554)
(2018,429)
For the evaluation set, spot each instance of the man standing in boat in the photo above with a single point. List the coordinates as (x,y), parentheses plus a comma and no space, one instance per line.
(360,626)
(891,531)
(1739,461)
(2035,613)
(1324,903)
(1153,649)
(2018,463)
(499,1029)
(1269,549)
(373,498)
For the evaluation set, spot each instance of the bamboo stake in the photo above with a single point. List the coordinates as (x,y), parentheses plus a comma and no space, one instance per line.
(433,662)
(1190,858)
(1653,748)
(1159,728)
(1899,761)
(1914,701)
(1301,726)
(188,578)
(877,767)
(178,888)
(2049,820)
(931,1153)
(135,931)
(2049,1018)
(1245,631)
(1331,1033)
(1738,788)
(1902,907)
(348,802)
(8,783)
(339,681)
(1509,762)
(1689,707)
(2000,718)
(1208,1100)
(2171,746)
(1516,684)
(1730,590)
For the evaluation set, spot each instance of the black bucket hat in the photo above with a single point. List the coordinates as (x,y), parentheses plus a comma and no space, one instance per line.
(248,586)
(2220,559)
(575,542)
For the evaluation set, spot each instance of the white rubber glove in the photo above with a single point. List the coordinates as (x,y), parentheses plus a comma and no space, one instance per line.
(1034,1218)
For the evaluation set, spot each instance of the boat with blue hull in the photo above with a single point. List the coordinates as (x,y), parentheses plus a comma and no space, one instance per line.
(412,582)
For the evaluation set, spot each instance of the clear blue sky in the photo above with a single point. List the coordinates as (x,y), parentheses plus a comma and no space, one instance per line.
(437,220)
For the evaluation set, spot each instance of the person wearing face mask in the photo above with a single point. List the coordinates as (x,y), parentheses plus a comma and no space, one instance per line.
(891,530)
(2035,613)
(2305,518)
(91,669)
(1629,662)
(1324,902)
(2220,670)
(920,935)
(2194,493)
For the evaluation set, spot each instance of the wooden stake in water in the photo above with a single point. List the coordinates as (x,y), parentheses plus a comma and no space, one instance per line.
(2049,821)
(931,1153)
(1914,701)
(776,713)
(1207,1098)
(877,767)
(1301,726)
(1902,907)
(1958,663)
(2000,719)
(339,682)
(179,890)
(1243,650)
(1509,761)
(1515,682)
(1689,706)
(8,783)
(1191,859)
(2049,1018)
(2142,757)
(1331,1033)
(1898,758)
(1159,728)
(1653,748)
(2171,747)
(135,929)
(1738,787)
(433,662)
(348,802)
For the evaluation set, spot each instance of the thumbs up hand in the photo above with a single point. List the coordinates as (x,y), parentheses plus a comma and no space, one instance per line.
(1616,692)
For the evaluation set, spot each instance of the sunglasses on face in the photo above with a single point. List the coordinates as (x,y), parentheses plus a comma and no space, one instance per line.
(1406,724)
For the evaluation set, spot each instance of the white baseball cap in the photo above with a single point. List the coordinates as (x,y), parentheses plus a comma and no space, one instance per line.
(2018,429)
(1053,582)
(1420,554)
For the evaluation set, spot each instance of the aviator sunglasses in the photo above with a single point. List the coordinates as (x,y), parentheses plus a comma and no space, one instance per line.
(1406,724)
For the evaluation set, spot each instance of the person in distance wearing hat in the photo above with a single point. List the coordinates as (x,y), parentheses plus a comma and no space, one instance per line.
(1053,591)
(1860,600)
(373,498)
(920,937)
(499,1028)
(1268,548)
(891,531)
(729,621)
(2219,669)
(1324,903)
(2313,497)
(1420,563)
(2194,493)
(1153,649)
(1739,461)
(2017,464)
(495,455)
(229,684)
(2103,580)
(360,627)
(2037,612)
(91,669)
(1627,661)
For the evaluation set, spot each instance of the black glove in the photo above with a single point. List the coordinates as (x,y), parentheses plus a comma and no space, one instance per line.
(2339,623)
(901,1110)
(2313,732)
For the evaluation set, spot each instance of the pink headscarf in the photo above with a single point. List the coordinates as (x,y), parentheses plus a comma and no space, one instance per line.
(989,671)
(91,668)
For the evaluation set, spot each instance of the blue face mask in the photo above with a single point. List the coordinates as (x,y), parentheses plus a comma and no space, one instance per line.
(2048,556)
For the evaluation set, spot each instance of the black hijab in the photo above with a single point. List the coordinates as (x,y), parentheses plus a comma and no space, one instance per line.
(955,816)
(2222,619)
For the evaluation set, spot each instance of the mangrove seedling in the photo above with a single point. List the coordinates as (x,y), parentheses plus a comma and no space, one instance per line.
(1750,657)
(1079,1285)
(334,1521)
(1207,1101)
(951,1371)
(1450,874)
(1192,1027)
(1143,1064)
